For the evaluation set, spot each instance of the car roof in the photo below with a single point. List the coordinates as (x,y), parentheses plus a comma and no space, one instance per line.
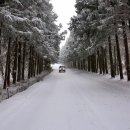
(62,66)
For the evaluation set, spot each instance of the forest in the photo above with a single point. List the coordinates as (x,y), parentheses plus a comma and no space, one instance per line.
(85,85)
(100,38)
(29,39)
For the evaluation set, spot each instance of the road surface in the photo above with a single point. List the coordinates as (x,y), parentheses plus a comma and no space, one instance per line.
(73,100)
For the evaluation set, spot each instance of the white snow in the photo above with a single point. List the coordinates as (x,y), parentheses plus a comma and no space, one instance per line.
(55,66)
(74,100)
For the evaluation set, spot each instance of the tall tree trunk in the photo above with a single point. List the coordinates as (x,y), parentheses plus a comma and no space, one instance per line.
(19,62)
(32,61)
(1,65)
(46,65)
(31,67)
(35,64)
(111,58)
(6,73)
(93,63)
(86,66)
(97,66)
(15,61)
(102,60)
(105,60)
(34,58)
(7,69)
(81,62)
(42,64)
(78,64)
(89,63)
(126,51)
(24,55)
(9,50)
(99,61)
(118,55)
(96,62)
(115,60)
(29,64)
(38,64)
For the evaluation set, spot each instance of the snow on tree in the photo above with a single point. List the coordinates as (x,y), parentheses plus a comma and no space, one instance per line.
(28,32)
(98,28)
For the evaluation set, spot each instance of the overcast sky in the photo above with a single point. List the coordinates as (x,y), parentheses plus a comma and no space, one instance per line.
(65,10)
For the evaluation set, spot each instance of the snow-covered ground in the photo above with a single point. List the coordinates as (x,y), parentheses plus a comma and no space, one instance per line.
(20,86)
(73,100)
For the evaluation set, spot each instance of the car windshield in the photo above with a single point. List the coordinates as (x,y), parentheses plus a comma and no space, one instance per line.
(62,67)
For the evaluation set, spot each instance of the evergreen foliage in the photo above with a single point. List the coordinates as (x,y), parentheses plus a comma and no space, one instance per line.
(98,28)
(28,34)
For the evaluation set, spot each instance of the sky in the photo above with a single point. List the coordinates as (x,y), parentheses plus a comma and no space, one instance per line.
(65,10)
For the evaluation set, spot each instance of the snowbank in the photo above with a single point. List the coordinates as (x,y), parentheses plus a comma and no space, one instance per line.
(55,66)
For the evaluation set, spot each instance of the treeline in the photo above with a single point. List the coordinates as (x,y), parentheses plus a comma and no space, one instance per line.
(99,40)
(29,39)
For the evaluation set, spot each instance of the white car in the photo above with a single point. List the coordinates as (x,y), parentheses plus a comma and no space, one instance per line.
(61,69)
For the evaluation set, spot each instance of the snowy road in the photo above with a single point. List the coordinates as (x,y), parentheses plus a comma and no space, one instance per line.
(69,101)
